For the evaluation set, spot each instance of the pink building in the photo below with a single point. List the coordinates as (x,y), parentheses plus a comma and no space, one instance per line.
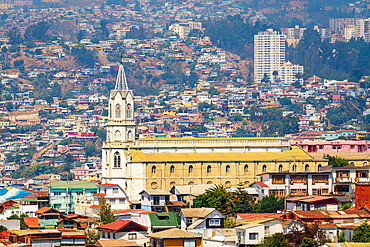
(337,146)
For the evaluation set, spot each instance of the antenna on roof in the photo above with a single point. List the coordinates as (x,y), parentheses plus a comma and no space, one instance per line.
(121,82)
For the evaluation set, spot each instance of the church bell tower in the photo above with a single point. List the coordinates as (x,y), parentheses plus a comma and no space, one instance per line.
(120,133)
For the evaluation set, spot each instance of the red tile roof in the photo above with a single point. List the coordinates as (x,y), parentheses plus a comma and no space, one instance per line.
(107,184)
(255,216)
(45,209)
(32,222)
(120,225)
(100,194)
(262,184)
(95,206)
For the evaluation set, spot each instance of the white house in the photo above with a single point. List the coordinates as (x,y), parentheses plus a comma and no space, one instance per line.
(254,233)
(114,195)
(219,238)
(154,200)
(124,229)
(197,219)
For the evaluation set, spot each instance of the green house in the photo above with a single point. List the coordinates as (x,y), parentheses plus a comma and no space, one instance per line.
(162,221)
(63,193)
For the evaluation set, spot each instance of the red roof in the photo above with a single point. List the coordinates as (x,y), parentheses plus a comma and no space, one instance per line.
(336,96)
(95,206)
(32,222)
(254,216)
(261,183)
(106,184)
(99,194)
(120,225)
(46,209)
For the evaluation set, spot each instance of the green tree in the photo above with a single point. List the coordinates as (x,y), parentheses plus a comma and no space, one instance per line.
(308,242)
(362,233)
(219,198)
(105,213)
(341,238)
(336,161)
(90,149)
(276,240)
(269,204)
(21,218)
(3,228)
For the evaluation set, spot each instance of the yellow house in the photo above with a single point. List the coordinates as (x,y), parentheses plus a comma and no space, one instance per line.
(174,238)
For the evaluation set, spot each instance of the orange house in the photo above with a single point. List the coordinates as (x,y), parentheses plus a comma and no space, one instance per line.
(174,238)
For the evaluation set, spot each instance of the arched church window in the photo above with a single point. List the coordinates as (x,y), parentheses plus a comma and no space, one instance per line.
(280,168)
(118,136)
(110,110)
(264,168)
(118,111)
(209,169)
(129,111)
(319,168)
(154,169)
(227,169)
(294,168)
(117,159)
(190,169)
(172,169)
(307,168)
(129,135)
(246,169)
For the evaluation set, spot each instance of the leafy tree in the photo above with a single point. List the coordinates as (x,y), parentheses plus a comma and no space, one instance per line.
(3,228)
(310,231)
(336,161)
(308,242)
(21,218)
(213,91)
(276,240)
(341,238)
(219,198)
(18,63)
(105,213)
(84,56)
(269,204)
(345,206)
(90,148)
(15,37)
(36,31)
(285,101)
(362,233)
(80,35)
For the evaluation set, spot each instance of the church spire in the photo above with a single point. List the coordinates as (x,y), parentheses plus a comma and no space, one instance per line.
(121,82)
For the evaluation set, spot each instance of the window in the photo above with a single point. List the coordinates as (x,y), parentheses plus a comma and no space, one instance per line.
(307,168)
(129,135)
(294,168)
(172,169)
(209,169)
(227,169)
(132,235)
(264,168)
(319,168)
(189,221)
(108,234)
(156,200)
(117,159)
(114,235)
(245,168)
(115,190)
(214,222)
(112,201)
(154,169)
(128,111)
(57,193)
(280,168)
(103,234)
(118,111)
(267,230)
(321,146)
(189,243)
(121,201)
(253,235)
(118,136)
(190,169)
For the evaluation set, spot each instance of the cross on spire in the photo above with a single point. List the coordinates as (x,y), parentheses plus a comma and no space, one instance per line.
(121,82)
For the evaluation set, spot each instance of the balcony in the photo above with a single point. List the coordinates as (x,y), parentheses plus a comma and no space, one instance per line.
(344,180)
(362,180)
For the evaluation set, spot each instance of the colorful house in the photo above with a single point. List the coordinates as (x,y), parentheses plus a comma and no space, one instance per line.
(174,237)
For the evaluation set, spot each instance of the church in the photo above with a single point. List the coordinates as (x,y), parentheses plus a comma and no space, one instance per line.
(159,164)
